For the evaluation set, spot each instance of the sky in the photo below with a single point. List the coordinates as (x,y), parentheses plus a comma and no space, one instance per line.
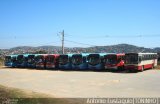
(85,23)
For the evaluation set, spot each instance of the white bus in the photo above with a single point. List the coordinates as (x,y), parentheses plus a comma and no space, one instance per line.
(140,61)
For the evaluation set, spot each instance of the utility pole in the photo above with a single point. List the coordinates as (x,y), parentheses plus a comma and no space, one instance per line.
(63,42)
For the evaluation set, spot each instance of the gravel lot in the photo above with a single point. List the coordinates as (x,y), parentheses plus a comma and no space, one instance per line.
(71,84)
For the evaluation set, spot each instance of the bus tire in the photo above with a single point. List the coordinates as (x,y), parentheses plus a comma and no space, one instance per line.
(142,69)
(122,67)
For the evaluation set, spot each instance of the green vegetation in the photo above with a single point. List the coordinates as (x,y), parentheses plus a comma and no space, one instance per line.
(1,62)
(120,48)
(7,92)
(40,52)
(17,96)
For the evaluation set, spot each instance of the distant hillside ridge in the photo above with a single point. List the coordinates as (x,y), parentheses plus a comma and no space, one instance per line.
(119,48)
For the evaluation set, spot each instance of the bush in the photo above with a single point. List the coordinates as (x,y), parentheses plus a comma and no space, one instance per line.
(1,62)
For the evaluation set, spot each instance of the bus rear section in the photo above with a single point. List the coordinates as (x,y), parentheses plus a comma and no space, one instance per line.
(40,61)
(22,60)
(95,61)
(65,61)
(140,61)
(79,61)
(114,61)
(52,61)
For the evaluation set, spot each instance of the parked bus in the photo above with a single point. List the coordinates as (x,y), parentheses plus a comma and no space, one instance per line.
(140,61)
(40,61)
(52,61)
(22,60)
(95,61)
(114,61)
(79,61)
(31,61)
(65,61)
(11,60)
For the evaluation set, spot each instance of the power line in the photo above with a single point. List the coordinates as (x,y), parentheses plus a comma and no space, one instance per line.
(40,44)
(118,36)
(80,43)
(108,36)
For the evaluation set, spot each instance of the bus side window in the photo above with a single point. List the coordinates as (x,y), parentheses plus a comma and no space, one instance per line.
(140,59)
(144,57)
(149,57)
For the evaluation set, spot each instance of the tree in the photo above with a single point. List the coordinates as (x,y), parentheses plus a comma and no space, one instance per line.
(40,52)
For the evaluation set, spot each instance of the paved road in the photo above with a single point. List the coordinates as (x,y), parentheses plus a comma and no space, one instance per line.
(84,84)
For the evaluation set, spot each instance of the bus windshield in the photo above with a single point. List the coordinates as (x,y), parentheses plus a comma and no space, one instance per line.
(31,59)
(63,59)
(77,59)
(13,59)
(39,59)
(110,59)
(131,59)
(94,59)
(8,58)
(50,59)
(20,58)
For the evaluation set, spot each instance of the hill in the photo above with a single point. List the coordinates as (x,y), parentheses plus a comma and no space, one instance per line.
(120,48)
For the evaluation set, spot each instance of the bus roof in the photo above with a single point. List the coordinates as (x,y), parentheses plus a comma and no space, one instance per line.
(33,54)
(142,53)
(118,54)
(70,55)
(11,55)
(83,54)
(101,54)
(53,55)
(42,55)
(25,55)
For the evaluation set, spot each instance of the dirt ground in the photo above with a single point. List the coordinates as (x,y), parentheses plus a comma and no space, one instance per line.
(83,84)
(9,95)
(9,92)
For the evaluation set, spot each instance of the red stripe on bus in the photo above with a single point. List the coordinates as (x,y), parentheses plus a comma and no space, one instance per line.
(148,66)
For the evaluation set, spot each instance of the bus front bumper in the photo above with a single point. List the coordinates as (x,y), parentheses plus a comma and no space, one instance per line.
(133,67)
(111,67)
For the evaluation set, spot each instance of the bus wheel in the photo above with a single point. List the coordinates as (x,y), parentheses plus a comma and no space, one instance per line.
(122,67)
(142,69)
